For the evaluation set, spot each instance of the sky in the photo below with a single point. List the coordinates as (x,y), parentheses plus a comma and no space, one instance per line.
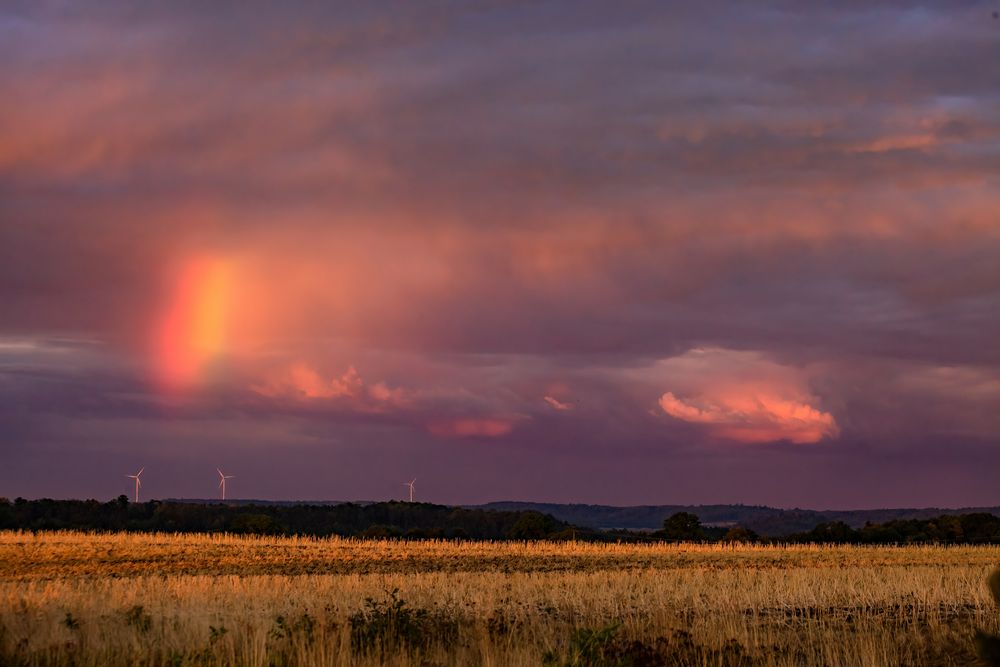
(621,253)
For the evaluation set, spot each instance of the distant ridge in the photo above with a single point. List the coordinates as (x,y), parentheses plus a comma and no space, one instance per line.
(766,521)
(261,501)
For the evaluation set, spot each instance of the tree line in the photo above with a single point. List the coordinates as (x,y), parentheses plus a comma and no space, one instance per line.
(973,528)
(397,519)
(388,519)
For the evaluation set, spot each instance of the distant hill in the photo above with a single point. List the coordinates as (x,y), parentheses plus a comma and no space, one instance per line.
(766,521)
(262,502)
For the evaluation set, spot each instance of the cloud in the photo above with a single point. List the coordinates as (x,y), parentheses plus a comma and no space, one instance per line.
(488,427)
(556,404)
(442,409)
(943,402)
(744,397)
(752,417)
(667,204)
(303,382)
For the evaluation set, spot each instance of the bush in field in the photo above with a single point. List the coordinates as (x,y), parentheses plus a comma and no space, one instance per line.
(591,648)
(604,648)
(386,626)
(987,644)
(137,618)
(286,634)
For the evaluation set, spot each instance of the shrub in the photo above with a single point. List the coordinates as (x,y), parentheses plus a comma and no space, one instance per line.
(385,626)
(302,627)
(593,648)
(989,645)
(137,618)
(215,634)
(603,648)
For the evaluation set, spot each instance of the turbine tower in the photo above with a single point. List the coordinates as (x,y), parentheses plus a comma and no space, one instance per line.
(222,482)
(410,484)
(137,482)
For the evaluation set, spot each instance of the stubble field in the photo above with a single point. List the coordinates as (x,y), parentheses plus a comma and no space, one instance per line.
(153,599)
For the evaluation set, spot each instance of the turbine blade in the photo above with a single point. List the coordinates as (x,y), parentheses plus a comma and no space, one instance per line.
(140,472)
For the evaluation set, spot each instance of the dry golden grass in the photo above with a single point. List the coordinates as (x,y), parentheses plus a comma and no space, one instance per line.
(72,598)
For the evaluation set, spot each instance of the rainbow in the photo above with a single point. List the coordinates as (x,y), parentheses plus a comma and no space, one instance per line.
(192,331)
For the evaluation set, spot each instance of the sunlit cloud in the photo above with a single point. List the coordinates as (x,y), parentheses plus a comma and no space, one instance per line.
(556,404)
(753,417)
(486,427)
(744,397)
(303,382)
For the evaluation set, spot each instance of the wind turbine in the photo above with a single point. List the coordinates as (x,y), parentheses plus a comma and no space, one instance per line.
(222,482)
(410,484)
(137,482)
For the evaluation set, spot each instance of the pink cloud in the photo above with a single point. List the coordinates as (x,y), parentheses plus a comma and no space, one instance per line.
(744,397)
(491,427)
(752,417)
(442,409)
(556,404)
(302,381)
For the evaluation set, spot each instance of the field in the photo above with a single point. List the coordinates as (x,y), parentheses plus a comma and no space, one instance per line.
(154,599)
